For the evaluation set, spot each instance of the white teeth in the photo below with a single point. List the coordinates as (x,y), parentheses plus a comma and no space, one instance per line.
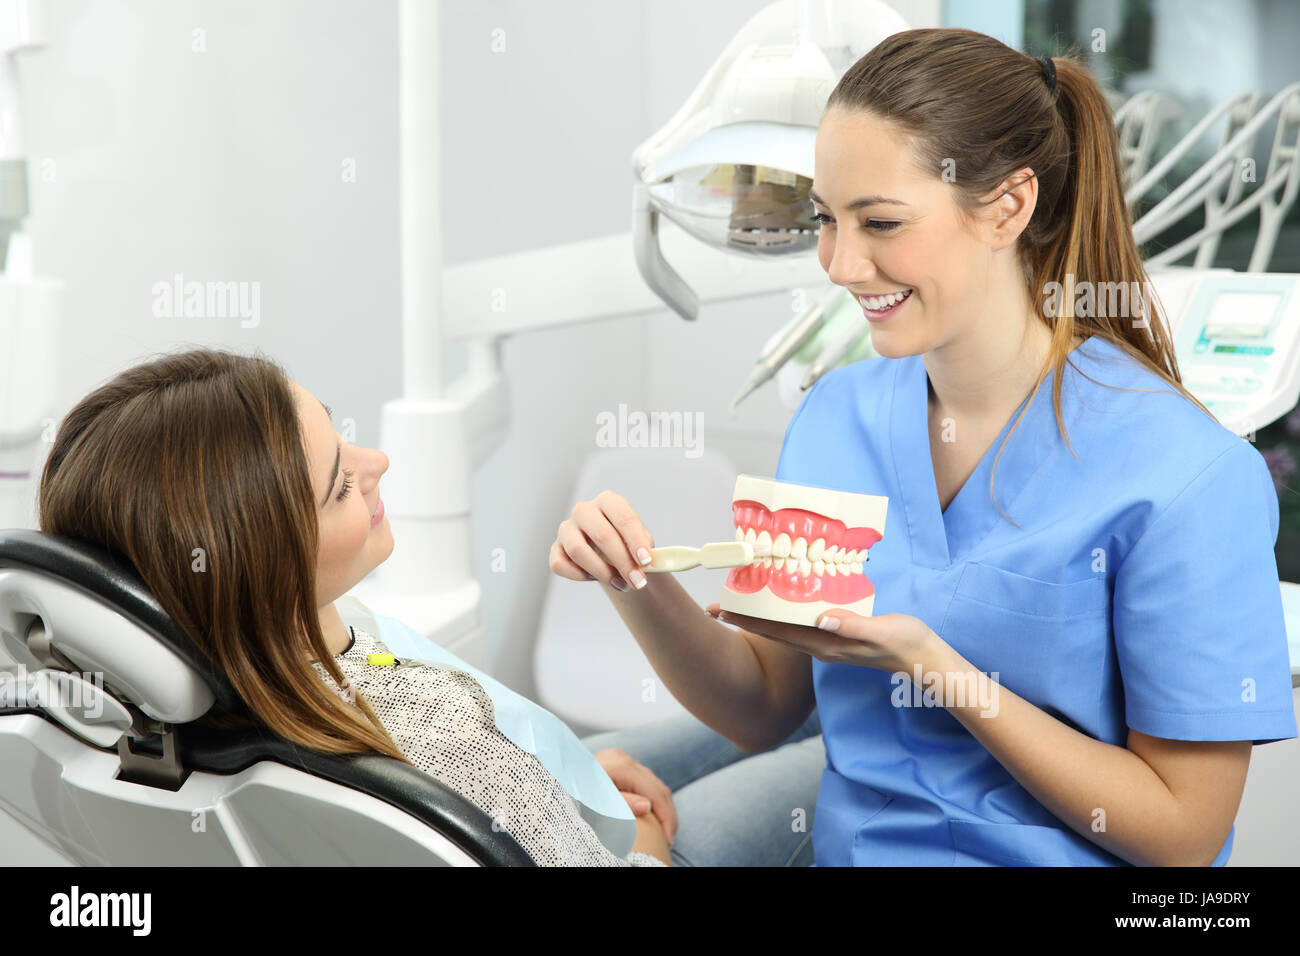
(800,556)
(878,303)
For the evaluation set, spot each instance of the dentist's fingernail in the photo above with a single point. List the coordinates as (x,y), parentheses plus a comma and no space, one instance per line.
(618,582)
(638,579)
(829,623)
(643,556)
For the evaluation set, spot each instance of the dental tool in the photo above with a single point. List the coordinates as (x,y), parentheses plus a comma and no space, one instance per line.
(719,554)
(833,355)
(796,337)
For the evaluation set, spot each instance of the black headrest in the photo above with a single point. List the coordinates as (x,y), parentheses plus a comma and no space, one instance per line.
(113,580)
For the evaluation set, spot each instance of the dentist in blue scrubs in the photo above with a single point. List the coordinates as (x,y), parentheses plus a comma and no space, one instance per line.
(1109,606)
(1077,635)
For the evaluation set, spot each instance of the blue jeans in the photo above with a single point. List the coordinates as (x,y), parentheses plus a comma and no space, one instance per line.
(733,808)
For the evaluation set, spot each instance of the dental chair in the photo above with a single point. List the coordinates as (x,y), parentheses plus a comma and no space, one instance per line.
(123,776)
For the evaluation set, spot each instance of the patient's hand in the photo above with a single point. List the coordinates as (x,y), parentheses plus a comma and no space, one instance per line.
(640,787)
(650,839)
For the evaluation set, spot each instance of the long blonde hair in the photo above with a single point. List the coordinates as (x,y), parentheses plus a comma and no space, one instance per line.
(967,98)
(204,450)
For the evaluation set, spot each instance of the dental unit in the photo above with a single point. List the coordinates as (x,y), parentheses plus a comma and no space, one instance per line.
(835,353)
(786,345)
(844,349)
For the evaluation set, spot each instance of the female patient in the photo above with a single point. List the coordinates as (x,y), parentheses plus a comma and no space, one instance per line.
(221,452)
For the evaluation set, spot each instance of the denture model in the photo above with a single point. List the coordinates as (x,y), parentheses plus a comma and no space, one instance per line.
(810,550)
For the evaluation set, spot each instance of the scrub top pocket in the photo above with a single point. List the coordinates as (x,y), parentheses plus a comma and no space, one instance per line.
(1046,642)
(1007,590)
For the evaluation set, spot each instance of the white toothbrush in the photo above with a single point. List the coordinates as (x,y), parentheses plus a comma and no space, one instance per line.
(720,554)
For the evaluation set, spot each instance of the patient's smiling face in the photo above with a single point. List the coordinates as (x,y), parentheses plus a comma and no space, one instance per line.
(347,495)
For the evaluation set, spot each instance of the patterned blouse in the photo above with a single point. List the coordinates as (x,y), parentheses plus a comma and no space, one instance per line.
(444,722)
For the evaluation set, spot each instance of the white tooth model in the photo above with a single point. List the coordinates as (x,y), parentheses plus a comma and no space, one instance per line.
(810,550)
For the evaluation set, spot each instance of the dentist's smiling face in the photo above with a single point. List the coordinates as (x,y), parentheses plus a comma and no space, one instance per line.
(915,241)
(345,482)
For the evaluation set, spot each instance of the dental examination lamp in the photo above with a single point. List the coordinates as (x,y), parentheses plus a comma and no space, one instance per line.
(29,305)
(734,165)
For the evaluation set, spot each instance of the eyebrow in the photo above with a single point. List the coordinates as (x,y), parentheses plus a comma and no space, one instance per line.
(859,203)
(338,454)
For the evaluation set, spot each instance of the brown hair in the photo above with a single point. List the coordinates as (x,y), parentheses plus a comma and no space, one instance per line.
(970,100)
(204,450)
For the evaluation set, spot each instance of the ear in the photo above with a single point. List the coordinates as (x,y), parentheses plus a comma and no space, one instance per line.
(1013,207)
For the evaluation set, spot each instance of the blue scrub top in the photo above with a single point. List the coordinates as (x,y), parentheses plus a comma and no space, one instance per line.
(1140,590)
